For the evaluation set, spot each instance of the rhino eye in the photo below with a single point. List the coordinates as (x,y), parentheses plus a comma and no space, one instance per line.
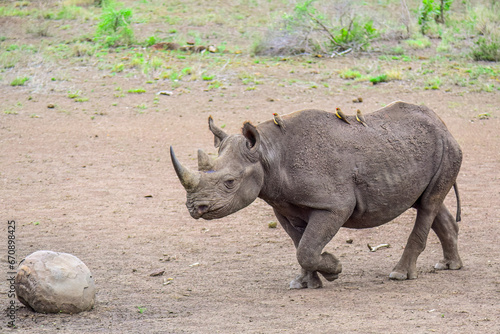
(229,183)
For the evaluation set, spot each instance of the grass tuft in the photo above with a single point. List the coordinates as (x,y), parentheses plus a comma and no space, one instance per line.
(19,81)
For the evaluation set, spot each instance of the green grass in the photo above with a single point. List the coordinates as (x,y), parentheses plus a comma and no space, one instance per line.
(378,79)
(418,44)
(19,81)
(74,94)
(136,91)
(100,38)
(349,74)
(214,85)
(433,83)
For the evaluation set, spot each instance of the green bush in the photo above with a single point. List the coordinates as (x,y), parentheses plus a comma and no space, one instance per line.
(151,41)
(114,26)
(309,30)
(432,10)
(485,49)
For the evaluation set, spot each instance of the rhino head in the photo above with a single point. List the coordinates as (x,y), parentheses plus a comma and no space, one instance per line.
(228,183)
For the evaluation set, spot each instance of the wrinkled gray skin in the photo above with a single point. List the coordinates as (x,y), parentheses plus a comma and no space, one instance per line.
(324,174)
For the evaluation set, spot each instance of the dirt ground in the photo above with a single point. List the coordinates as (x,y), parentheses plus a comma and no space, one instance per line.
(94,179)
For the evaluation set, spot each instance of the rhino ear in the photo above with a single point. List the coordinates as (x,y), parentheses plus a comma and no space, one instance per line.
(219,135)
(252,135)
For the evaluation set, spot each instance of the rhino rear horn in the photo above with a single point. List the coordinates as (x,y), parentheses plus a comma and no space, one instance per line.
(218,133)
(189,179)
(205,163)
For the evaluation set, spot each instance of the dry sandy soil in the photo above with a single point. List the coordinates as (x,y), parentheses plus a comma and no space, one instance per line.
(94,179)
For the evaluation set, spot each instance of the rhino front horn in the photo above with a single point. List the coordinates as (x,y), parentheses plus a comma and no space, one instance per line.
(189,179)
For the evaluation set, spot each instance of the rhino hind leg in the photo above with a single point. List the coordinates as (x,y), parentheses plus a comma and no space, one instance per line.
(306,279)
(446,229)
(431,212)
(407,265)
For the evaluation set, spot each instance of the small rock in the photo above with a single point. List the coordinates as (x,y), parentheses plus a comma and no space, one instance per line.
(272,224)
(212,49)
(165,92)
(157,272)
(51,282)
(51,106)
(349,241)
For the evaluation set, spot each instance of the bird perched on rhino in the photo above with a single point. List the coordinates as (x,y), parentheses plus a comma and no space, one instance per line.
(341,115)
(279,122)
(360,118)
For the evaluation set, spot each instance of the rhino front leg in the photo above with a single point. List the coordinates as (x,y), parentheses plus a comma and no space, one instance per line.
(321,228)
(289,224)
(306,279)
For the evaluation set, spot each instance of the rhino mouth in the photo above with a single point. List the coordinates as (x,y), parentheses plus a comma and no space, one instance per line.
(205,210)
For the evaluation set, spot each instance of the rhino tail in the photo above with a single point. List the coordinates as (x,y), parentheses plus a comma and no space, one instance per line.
(459,209)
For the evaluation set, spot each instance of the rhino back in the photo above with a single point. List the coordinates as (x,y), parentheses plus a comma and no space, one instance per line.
(322,162)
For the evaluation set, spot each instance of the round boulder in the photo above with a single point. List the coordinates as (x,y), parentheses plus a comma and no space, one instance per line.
(50,282)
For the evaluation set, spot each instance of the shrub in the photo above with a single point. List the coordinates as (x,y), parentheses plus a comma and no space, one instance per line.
(151,41)
(307,29)
(114,26)
(485,49)
(432,10)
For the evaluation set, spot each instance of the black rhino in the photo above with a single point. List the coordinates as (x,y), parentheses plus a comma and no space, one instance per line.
(323,174)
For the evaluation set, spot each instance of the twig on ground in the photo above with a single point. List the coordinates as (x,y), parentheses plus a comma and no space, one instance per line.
(374,248)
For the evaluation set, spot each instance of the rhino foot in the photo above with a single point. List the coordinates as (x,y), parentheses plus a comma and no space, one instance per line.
(330,277)
(401,276)
(398,276)
(448,264)
(307,279)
